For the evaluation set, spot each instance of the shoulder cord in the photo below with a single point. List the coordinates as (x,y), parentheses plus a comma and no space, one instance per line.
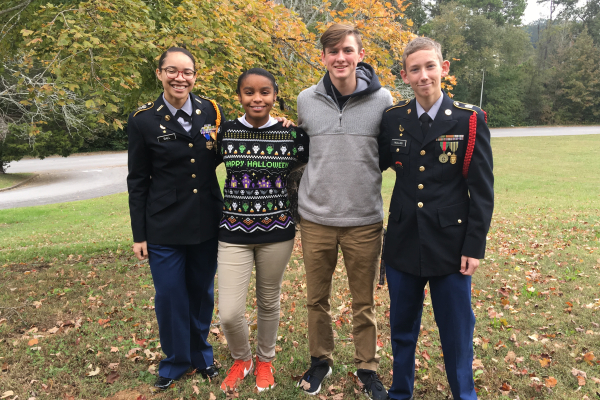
(218,119)
(471,143)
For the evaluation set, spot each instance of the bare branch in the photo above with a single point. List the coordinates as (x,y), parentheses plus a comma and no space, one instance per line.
(22,5)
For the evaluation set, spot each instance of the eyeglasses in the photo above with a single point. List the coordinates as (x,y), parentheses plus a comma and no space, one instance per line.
(173,73)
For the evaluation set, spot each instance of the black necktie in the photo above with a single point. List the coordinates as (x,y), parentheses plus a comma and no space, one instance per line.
(182,114)
(425,120)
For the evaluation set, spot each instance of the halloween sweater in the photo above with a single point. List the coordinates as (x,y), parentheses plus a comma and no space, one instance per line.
(258,161)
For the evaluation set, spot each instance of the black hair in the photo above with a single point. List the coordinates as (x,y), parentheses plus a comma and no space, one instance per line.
(181,49)
(257,71)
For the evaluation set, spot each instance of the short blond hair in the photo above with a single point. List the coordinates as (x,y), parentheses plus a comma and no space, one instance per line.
(421,43)
(336,33)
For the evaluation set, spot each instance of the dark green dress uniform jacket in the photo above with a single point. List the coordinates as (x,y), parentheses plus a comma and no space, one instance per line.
(436,215)
(174,195)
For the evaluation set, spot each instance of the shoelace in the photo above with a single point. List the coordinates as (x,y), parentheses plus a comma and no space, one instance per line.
(236,370)
(260,366)
(373,379)
(313,368)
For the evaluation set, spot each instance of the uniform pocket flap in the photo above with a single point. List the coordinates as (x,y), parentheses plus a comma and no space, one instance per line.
(163,201)
(400,146)
(395,211)
(453,215)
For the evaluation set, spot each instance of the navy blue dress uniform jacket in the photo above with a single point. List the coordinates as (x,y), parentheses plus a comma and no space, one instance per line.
(436,215)
(174,195)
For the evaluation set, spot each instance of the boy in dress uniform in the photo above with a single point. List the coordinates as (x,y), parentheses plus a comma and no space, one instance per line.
(439,216)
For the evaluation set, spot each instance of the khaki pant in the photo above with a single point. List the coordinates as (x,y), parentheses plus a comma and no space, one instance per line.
(236,262)
(361,246)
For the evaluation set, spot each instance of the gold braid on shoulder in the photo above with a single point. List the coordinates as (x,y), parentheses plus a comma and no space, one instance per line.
(218,119)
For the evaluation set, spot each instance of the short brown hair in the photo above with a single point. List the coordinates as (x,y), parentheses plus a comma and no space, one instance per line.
(336,33)
(421,43)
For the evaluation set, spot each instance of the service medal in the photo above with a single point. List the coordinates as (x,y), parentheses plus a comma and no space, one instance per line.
(210,145)
(443,158)
(453,146)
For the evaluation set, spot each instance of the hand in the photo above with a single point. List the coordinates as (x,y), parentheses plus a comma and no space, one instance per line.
(286,122)
(468,265)
(141,250)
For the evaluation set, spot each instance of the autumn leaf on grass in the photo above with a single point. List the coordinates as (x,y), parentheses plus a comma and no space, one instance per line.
(551,382)
(112,377)
(505,389)
(114,349)
(426,355)
(33,342)
(580,375)
(94,372)
(589,357)
(545,362)
(103,322)
(510,357)
(211,396)
(196,390)
(6,394)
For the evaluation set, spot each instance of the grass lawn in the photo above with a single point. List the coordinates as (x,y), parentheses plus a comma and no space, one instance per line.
(8,180)
(77,318)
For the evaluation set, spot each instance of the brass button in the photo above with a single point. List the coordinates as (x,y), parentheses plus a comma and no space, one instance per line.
(420,186)
(198,112)
(193,161)
(422,152)
(420,204)
(191,145)
(421,168)
(167,117)
(397,150)
(193,175)
(460,221)
(195,190)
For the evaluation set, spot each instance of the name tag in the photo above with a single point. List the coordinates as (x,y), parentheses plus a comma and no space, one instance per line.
(399,142)
(166,138)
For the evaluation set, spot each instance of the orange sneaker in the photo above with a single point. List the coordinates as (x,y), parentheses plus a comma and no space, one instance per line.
(264,375)
(238,371)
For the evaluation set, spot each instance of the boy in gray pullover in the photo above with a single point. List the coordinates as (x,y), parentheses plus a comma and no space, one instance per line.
(340,202)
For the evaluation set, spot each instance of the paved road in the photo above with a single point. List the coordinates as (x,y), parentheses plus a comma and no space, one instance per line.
(546,131)
(78,177)
(81,177)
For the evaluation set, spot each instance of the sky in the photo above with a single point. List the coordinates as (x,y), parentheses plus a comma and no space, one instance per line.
(535,11)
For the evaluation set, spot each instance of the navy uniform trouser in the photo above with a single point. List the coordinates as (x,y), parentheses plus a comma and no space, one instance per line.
(184,278)
(451,300)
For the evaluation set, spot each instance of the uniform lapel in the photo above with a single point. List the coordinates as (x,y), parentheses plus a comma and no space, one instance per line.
(443,121)
(198,114)
(165,118)
(409,121)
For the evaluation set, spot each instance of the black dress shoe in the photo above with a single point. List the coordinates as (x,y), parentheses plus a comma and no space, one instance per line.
(209,372)
(163,383)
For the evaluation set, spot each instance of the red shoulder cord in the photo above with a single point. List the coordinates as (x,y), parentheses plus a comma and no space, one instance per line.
(470,144)
(485,115)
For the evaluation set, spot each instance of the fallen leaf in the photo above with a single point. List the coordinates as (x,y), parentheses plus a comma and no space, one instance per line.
(113,366)
(114,349)
(32,342)
(505,389)
(6,394)
(510,357)
(196,390)
(112,377)
(551,382)
(94,372)
(211,396)
(581,381)
(577,372)
(544,362)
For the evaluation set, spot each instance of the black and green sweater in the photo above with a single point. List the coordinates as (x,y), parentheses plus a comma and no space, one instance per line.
(258,161)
